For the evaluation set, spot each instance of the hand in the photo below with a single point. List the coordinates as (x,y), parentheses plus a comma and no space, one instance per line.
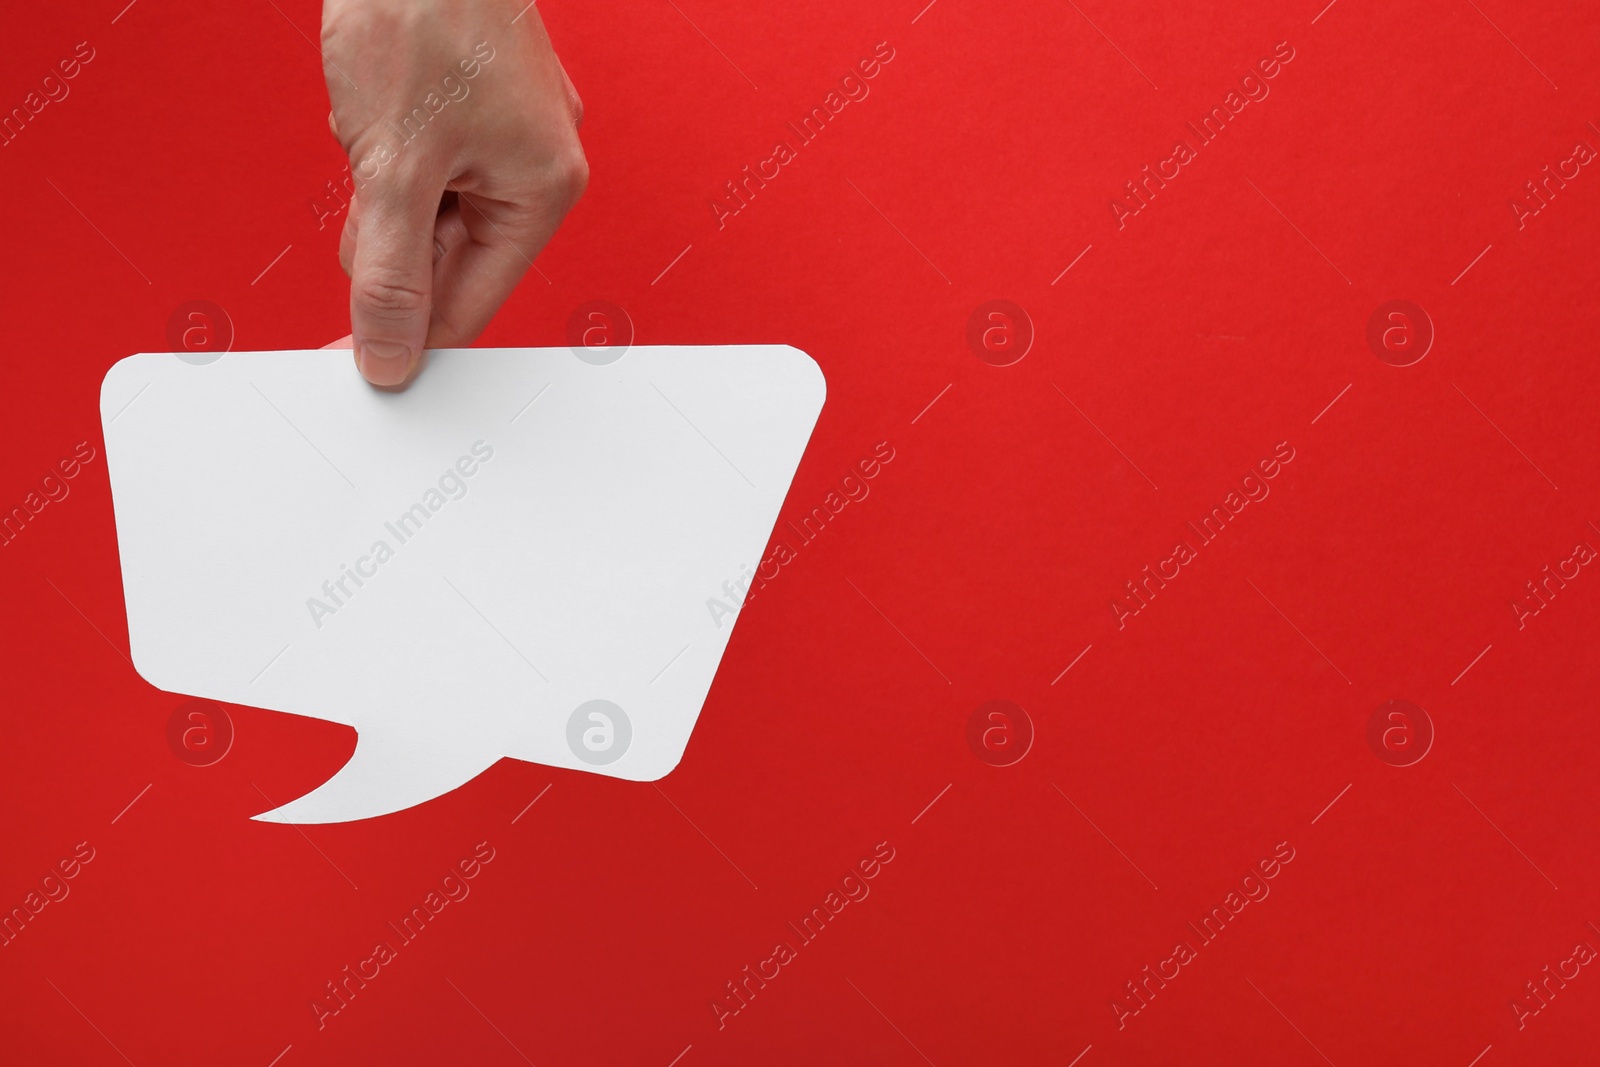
(461,127)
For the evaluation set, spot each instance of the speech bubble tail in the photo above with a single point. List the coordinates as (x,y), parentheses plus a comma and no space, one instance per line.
(386,774)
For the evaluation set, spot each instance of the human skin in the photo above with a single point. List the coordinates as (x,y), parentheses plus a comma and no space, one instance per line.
(446,220)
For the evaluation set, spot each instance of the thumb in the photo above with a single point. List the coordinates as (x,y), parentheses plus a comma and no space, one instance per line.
(391,280)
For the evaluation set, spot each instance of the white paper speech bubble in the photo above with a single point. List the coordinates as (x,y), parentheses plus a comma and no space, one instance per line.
(513,557)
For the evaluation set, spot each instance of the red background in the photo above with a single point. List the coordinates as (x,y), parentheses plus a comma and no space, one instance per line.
(1220,721)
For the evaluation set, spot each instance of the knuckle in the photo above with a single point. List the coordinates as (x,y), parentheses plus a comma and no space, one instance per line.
(342,24)
(386,293)
(570,174)
(345,22)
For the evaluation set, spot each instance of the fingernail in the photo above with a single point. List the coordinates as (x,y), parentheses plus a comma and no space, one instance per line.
(384,362)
